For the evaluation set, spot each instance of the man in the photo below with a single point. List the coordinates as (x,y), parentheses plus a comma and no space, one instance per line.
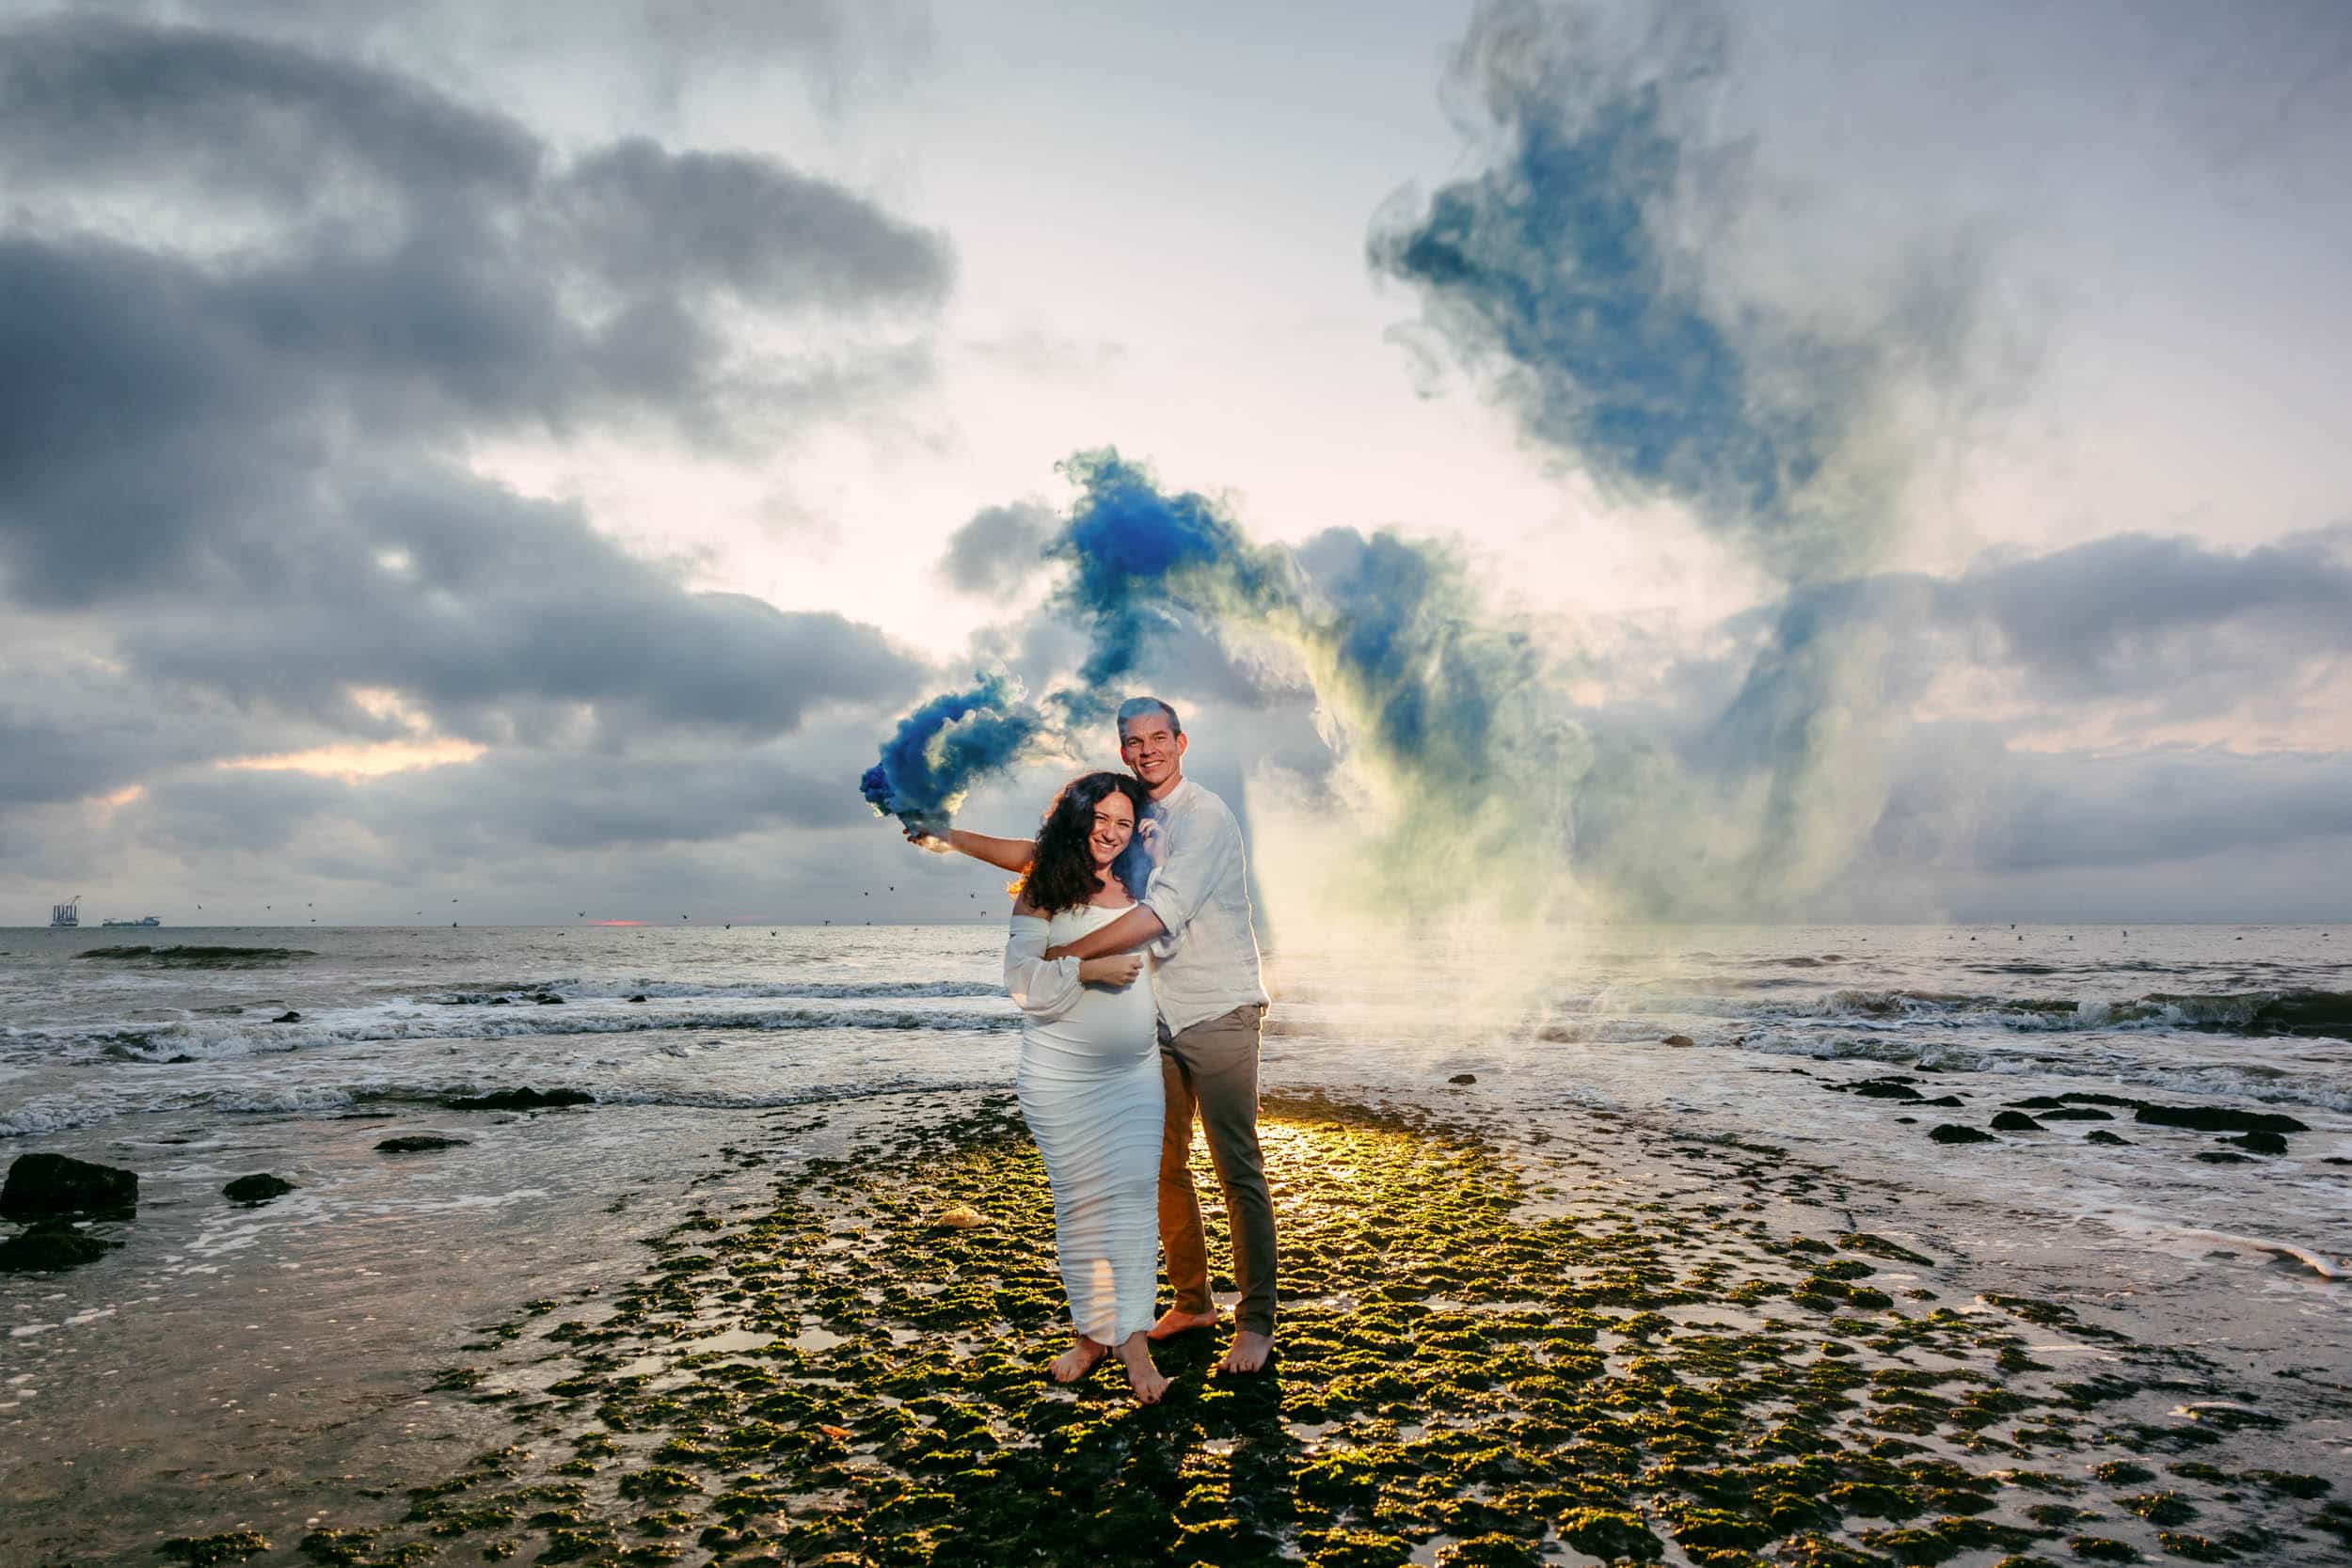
(1195,919)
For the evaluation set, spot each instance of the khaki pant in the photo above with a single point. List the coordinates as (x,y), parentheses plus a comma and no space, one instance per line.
(1211,1070)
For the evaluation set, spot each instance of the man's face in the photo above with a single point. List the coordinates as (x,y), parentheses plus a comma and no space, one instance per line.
(1152,749)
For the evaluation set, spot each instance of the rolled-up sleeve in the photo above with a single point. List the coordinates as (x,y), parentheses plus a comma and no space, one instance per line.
(1196,862)
(1041,990)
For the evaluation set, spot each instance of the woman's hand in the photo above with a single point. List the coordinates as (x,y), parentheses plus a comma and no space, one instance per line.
(1120,969)
(1154,840)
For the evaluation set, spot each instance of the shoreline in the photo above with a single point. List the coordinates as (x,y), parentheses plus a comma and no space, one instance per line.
(1709,1275)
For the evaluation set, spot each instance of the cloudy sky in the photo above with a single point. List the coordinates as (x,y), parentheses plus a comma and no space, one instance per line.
(533,454)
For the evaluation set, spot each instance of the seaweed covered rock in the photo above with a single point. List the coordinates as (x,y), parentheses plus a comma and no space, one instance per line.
(257,1188)
(2215,1118)
(49,1246)
(519,1099)
(44,1185)
(1953,1133)
(419,1143)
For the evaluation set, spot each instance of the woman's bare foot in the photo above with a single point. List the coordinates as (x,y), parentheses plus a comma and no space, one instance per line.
(1142,1376)
(1173,1322)
(1249,1354)
(1082,1357)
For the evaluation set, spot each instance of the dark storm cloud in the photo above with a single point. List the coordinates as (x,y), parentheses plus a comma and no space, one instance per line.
(497,808)
(248,452)
(2058,810)
(1000,549)
(92,99)
(2129,614)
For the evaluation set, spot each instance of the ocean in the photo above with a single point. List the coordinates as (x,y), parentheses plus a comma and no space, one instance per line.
(227,1362)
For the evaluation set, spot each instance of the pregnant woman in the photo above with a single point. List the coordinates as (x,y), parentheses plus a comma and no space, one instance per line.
(1090,1078)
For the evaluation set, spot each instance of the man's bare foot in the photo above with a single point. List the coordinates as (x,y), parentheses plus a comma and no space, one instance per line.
(1249,1354)
(1142,1376)
(1173,1322)
(1082,1357)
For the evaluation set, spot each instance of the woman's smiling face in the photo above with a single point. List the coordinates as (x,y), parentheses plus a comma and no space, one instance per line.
(1113,826)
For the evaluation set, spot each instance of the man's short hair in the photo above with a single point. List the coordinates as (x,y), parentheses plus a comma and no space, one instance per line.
(1135,707)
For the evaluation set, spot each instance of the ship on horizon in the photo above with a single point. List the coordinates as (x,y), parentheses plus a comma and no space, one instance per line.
(143,920)
(68,915)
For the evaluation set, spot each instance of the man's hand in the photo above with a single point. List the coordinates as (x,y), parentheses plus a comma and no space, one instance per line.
(1154,838)
(924,839)
(1120,969)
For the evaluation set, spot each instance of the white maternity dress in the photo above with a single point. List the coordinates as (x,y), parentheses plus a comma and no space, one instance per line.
(1090,1089)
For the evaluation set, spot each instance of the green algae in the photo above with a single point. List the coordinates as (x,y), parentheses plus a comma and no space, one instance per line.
(1456,1382)
(203,1551)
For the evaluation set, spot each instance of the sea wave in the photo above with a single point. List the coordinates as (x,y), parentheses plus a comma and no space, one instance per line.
(2323,1014)
(211,1039)
(65,1113)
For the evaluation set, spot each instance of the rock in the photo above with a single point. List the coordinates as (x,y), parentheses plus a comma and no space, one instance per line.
(2101,1136)
(502,1002)
(520,1100)
(1946,1101)
(2039,1103)
(41,1186)
(1678,1041)
(1952,1132)
(2015,1121)
(2078,1112)
(2212,1118)
(49,1246)
(418,1142)
(1463,1078)
(2220,1157)
(259,1188)
(548,999)
(2261,1143)
(1907,1121)
(638,997)
(1883,1089)
(288,1017)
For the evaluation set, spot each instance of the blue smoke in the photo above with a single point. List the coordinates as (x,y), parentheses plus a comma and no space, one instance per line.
(1139,559)
(1394,638)
(945,747)
(1560,267)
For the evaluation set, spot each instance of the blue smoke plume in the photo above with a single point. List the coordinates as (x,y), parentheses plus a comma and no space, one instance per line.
(1138,559)
(1444,702)
(946,745)
(1564,269)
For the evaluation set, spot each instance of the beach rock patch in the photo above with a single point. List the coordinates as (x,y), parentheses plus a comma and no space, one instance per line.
(2211,1119)
(2015,1121)
(288,1017)
(257,1188)
(1953,1133)
(419,1143)
(2261,1143)
(1880,1088)
(1678,1040)
(520,1100)
(2076,1113)
(2101,1136)
(1464,1079)
(1461,1379)
(40,1187)
(50,1247)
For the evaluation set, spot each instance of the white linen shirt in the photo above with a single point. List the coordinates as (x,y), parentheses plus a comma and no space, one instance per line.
(1208,960)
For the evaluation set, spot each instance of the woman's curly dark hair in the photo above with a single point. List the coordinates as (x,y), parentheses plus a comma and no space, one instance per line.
(1061,868)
